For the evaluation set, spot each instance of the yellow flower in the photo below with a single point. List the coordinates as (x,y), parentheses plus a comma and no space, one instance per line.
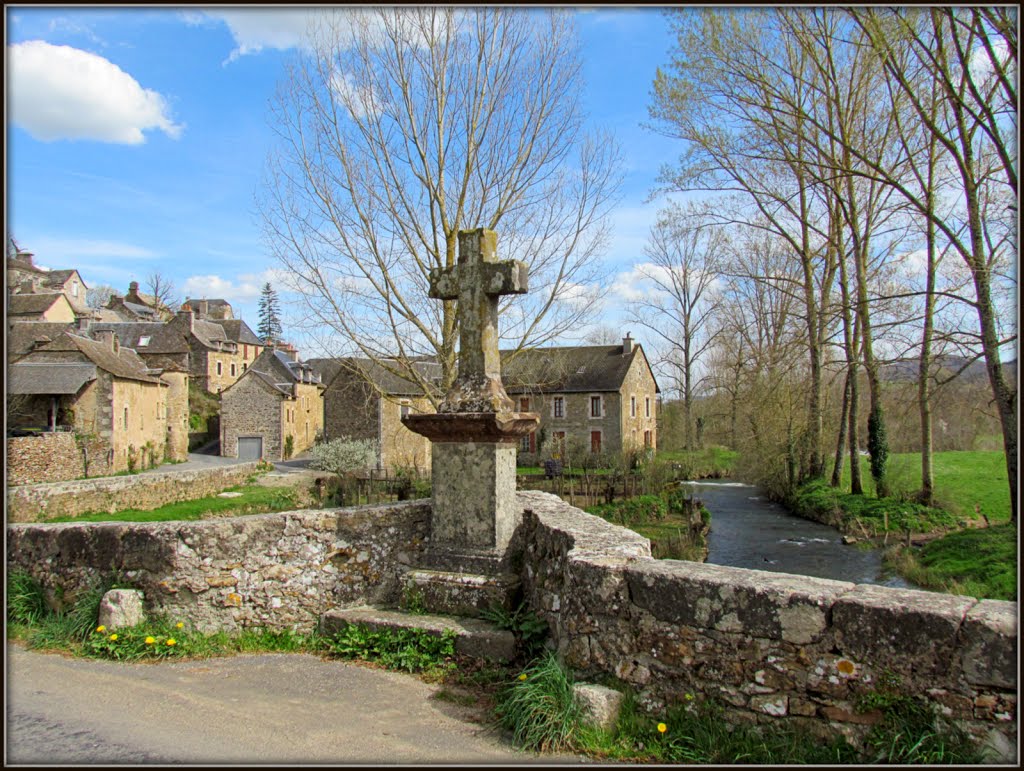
(150,640)
(171,641)
(180,625)
(662,728)
(113,637)
(101,628)
(689,697)
(522,676)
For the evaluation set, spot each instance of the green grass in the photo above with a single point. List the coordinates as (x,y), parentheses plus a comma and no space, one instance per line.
(975,562)
(662,519)
(254,500)
(963,480)
(711,462)
(860,513)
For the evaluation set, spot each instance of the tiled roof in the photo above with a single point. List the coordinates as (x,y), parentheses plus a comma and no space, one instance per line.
(124,364)
(31,304)
(142,311)
(57,277)
(570,369)
(239,331)
(209,333)
(385,378)
(49,377)
(162,337)
(22,335)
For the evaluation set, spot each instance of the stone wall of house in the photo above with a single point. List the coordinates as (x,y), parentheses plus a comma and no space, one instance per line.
(577,422)
(55,457)
(251,408)
(771,646)
(639,385)
(140,422)
(268,570)
(308,419)
(351,409)
(400,447)
(177,415)
(32,503)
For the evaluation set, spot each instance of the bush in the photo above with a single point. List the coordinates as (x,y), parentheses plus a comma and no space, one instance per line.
(632,511)
(344,456)
(289,446)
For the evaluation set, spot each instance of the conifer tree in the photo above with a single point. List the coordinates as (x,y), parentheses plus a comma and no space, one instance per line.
(270,319)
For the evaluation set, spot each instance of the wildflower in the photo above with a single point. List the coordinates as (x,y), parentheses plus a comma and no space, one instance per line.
(662,728)
(113,637)
(689,697)
(180,625)
(150,640)
(171,641)
(522,676)
(101,628)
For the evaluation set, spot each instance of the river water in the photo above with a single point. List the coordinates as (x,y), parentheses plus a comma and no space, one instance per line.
(749,531)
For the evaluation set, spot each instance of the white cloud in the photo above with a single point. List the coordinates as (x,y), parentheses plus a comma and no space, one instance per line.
(246,287)
(360,102)
(255,29)
(62,24)
(65,250)
(60,92)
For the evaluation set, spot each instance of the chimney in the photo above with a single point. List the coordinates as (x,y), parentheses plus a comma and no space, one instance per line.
(189,317)
(28,286)
(204,309)
(133,292)
(108,337)
(26,257)
(627,345)
(83,323)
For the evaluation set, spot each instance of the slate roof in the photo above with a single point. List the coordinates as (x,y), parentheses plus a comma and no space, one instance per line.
(209,333)
(14,263)
(31,304)
(49,377)
(143,311)
(381,377)
(571,369)
(57,277)
(239,331)
(22,335)
(125,364)
(162,338)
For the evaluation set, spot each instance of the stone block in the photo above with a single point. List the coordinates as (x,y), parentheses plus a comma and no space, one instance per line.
(989,644)
(474,486)
(121,608)
(902,628)
(462,594)
(758,603)
(600,705)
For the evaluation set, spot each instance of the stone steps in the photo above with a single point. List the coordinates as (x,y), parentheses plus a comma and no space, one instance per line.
(473,637)
(461,594)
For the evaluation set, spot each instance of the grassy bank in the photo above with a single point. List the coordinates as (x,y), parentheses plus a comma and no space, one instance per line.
(676,525)
(963,480)
(252,499)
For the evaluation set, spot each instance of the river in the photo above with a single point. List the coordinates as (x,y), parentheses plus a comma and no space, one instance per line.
(749,531)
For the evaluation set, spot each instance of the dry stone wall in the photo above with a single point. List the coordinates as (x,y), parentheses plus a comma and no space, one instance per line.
(266,570)
(54,457)
(32,503)
(770,645)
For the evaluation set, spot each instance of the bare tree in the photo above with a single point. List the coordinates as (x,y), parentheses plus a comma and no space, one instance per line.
(686,254)
(98,296)
(403,126)
(162,289)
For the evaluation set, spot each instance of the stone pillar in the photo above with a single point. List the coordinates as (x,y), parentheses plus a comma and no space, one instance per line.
(474,495)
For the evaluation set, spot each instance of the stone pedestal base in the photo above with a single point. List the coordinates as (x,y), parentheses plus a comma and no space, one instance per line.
(474,496)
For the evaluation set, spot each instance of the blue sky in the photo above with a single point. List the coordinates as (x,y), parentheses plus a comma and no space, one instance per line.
(136,138)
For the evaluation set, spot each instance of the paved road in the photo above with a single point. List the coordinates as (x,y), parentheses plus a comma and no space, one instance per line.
(270,708)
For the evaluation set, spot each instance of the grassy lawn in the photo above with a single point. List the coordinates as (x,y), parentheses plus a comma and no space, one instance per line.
(962,480)
(254,499)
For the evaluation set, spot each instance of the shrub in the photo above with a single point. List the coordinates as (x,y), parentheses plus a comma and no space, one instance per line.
(344,456)
(289,446)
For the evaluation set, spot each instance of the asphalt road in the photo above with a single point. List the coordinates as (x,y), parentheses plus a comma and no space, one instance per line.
(261,709)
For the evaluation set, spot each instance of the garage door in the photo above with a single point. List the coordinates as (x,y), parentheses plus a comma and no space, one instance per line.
(250,447)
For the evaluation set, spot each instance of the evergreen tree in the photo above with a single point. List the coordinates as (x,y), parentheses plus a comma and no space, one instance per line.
(270,318)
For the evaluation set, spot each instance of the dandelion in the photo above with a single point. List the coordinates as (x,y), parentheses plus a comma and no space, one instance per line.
(662,728)
(522,677)
(171,641)
(113,637)
(180,625)
(150,640)
(689,697)
(101,628)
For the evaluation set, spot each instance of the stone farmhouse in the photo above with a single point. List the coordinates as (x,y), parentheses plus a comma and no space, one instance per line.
(590,398)
(40,306)
(276,398)
(135,306)
(103,392)
(24,277)
(594,398)
(220,350)
(367,400)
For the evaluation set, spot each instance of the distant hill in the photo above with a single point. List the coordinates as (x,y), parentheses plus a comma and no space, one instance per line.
(906,369)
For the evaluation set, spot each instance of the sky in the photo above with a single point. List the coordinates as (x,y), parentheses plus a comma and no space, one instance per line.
(137,139)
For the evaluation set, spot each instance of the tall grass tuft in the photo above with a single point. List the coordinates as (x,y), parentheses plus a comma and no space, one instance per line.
(26,600)
(539,707)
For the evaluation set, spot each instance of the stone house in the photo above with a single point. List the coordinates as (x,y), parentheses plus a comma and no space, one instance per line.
(220,351)
(97,389)
(600,399)
(40,306)
(24,277)
(366,400)
(276,398)
(135,306)
(213,309)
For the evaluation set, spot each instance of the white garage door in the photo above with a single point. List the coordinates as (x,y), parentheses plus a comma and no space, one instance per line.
(250,447)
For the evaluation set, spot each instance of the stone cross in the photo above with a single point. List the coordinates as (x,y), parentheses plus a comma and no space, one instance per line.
(477,281)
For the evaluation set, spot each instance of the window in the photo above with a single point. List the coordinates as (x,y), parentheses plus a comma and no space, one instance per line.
(524,404)
(233,369)
(558,407)
(647,406)
(595,407)
(648,440)
(220,368)
(529,443)
(403,410)
(144,341)
(74,289)
(632,406)
(126,418)
(595,441)
(244,366)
